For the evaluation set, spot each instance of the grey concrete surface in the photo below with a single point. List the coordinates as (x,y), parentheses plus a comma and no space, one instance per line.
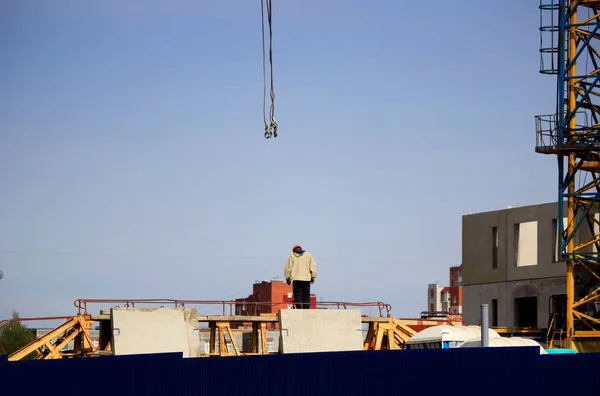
(506,293)
(477,260)
(542,278)
(320,330)
(155,330)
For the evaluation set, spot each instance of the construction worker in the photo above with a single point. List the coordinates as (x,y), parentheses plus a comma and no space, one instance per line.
(301,269)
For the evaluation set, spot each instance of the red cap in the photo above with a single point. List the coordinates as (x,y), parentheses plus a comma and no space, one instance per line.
(296,246)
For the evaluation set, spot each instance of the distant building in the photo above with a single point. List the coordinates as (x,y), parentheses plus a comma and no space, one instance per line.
(268,297)
(434,297)
(455,290)
(445,300)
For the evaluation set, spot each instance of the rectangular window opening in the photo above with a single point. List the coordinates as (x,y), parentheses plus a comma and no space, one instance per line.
(555,244)
(558,308)
(495,312)
(526,312)
(557,240)
(494,247)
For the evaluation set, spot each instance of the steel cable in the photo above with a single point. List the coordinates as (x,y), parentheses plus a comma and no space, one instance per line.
(271,126)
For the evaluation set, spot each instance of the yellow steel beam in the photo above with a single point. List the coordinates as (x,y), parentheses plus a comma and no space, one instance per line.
(370,335)
(590,271)
(587,334)
(584,316)
(255,327)
(49,345)
(263,338)
(549,333)
(385,330)
(584,34)
(222,344)
(391,337)
(33,346)
(590,166)
(213,332)
(56,353)
(87,338)
(572,50)
(589,298)
(403,329)
(396,333)
(379,338)
(592,241)
(235,348)
(590,18)
(593,184)
(590,3)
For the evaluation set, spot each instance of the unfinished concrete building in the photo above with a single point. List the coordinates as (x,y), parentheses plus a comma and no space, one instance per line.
(510,261)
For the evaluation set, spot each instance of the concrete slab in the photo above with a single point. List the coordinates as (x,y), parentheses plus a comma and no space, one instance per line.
(155,330)
(320,330)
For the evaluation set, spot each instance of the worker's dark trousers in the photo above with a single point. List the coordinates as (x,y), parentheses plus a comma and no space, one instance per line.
(301,294)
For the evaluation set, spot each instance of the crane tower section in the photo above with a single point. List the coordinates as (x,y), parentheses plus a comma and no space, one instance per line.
(570,50)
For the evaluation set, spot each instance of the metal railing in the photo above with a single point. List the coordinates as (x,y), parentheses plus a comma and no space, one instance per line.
(546,135)
(548,141)
(227,306)
(549,37)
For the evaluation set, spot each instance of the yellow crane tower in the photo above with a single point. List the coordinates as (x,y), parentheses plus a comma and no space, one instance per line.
(570,33)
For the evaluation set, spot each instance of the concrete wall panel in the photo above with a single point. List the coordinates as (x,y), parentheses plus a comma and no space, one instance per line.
(477,245)
(320,330)
(475,295)
(505,293)
(546,267)
(155,330)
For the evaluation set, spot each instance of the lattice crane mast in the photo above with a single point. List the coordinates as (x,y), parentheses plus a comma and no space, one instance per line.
(570,40)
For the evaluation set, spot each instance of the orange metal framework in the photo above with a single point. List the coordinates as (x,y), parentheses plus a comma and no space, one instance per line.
(52,345)
(6,322)
(384,332)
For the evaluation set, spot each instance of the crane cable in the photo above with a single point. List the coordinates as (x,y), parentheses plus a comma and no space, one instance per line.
(271,127)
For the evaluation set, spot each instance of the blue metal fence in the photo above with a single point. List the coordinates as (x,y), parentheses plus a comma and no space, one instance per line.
(476,371)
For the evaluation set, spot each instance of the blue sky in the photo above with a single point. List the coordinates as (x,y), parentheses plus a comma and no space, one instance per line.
(132,162)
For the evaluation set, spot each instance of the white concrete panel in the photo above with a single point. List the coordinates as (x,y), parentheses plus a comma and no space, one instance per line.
(155,330)
(320,330)
(527,244)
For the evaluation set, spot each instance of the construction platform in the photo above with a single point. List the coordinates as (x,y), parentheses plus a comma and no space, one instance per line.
(134,330)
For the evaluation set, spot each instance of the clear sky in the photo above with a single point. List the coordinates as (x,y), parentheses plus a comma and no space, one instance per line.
(133,163)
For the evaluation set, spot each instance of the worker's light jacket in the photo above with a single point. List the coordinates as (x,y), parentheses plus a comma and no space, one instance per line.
(300,267)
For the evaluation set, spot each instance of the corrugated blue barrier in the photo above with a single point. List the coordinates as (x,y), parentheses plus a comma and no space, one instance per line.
(473,371)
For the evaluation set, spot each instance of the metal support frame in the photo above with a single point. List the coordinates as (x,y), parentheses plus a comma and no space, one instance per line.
(387,335)
(221,333)
(573,135)
(384,333)
(53,344)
